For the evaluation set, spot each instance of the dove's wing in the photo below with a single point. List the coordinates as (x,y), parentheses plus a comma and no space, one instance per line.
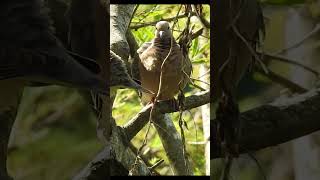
(143,47)
(153,57)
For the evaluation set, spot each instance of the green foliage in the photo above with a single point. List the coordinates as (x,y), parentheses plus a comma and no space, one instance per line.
(152,13)
(56,149)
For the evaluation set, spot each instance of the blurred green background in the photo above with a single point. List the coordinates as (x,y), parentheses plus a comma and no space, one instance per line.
(53,136)
(288,23)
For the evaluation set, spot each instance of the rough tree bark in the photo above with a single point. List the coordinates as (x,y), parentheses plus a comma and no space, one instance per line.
(120,16)
(276,123)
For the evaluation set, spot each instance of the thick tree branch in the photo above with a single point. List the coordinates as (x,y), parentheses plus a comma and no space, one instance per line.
(141,119)
(172,143)
(276,123)
(120,16)
(119,21)
(135,59)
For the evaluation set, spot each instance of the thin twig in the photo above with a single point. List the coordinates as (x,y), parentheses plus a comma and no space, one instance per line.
(165,59)
(194,35)
(143,157)
(194,79)
(253,52)
(197,34)
(155,22)
(198,87)
(198,143)
(297,44)
(294,87)
(208,72)
(145,15)
(287,60)
(134,12)
(203,21)
(144,143)
(157,164)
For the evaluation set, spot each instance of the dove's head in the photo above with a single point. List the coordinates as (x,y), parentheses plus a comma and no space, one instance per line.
(163,30)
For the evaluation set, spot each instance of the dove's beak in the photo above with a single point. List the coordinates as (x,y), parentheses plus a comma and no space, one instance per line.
(161,34)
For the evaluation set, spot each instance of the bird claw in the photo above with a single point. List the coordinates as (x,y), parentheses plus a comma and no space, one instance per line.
(173,103)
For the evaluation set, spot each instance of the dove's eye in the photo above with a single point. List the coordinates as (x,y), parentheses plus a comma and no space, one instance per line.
(168,27)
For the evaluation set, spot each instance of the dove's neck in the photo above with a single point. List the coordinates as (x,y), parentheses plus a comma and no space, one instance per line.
(163,43)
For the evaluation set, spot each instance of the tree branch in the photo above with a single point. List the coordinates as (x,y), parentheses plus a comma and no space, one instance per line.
(135,27)
(275,123)
(202,19)
(141,119)
(120,16)
(172,143)
(290,61)
(294,87)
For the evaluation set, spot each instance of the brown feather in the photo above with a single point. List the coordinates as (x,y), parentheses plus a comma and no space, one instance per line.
(176,69)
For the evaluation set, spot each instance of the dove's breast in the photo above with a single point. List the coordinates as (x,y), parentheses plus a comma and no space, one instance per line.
(173,76)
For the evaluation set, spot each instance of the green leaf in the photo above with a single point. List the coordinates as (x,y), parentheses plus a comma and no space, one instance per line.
(204,47)
(199,61)
(195,45)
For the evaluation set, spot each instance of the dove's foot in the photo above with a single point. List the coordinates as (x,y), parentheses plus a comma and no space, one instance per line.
(172,103)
